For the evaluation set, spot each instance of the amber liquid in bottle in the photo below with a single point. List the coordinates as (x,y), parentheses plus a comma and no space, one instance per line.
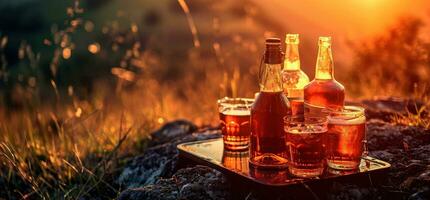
(293,78)
(324,91)
(268,145)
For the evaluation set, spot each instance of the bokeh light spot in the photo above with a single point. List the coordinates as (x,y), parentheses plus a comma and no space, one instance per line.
(67,53)
(94,48)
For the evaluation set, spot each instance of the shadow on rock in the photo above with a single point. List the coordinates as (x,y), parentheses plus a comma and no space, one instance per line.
(198,182)
(160,160)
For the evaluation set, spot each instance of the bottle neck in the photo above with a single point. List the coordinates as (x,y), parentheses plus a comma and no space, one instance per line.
(271,78)
(324,66)
(292,58)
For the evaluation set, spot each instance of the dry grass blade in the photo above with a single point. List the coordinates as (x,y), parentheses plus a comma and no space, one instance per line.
(191,24)
(103,162)
(420,116)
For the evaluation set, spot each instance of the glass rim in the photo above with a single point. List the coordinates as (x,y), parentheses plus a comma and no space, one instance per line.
(352,114)
(314,106)
(346,110)
(235,101)
(304,119)
(307,124)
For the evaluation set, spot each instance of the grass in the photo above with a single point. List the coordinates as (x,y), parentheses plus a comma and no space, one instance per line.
(420,115)
(70,147)
(417,118)
(60,168)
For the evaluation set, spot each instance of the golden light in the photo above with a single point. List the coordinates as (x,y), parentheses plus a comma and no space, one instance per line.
(67,53)
(75,22)
(123,73)
(134,28)
(94,48)
(70,90)
(160,120)
(78,112)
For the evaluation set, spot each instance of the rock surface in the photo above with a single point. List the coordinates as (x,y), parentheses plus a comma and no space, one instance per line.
(155,173)
(160,159)
(387,108)
(408,151)
(198,182)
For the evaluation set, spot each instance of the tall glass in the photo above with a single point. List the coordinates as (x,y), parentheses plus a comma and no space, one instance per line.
(305,147)
(234,114)
(344,141)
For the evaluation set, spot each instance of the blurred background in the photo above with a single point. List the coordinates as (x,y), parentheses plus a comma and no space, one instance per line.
(96,69)
(169,52)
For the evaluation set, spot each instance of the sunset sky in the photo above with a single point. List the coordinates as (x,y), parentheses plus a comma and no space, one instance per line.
(343,19)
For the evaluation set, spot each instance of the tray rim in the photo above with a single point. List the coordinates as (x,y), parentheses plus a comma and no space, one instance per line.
(200,158)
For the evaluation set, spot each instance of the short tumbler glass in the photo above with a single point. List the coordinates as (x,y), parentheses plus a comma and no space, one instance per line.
(345,138)
(234,114)
(305,147)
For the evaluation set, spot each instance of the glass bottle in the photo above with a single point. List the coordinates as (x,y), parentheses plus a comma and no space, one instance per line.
(324,91)
(294,79)
(268,145)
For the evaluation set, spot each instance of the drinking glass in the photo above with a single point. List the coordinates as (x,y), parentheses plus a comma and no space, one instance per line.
(344,140)
(234,114)
(304,143)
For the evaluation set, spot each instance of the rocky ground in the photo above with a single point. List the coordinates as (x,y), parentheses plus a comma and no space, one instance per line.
(158,174)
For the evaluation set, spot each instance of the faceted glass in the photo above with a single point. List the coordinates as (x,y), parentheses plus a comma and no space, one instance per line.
(234,114)
(305,147)
(344,140)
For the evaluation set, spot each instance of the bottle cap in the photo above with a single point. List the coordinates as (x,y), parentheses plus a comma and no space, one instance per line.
(273,53)
(324,41)
(292,38)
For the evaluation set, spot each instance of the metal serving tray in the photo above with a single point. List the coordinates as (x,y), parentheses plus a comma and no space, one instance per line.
(235,163)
